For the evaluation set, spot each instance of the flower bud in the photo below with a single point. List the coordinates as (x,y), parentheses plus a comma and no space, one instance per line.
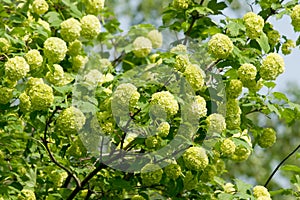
(181,4)
(56,77)
(241,153)
(94,6)
(78,62)
(156,38)
(6,95)
(153,142)
(27,195)
(181,62)
(233,112)
(247,72)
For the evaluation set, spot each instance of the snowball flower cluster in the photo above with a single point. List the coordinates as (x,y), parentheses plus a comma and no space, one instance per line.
(40,6)
(272,66)
(234,89)
(90,27)
(151,174)
(55,49)
(166,101)
(195,76)
(163,129)
(94,6)
(209,173)
(74,48)
(70,120)
(195,158)
(142,46)
(172,171)
(216,123)
(58,177)
(27,195)
(70,29)
(260,191)
(295,16)
(227,147)
(34,59)
(181,4)
(44,24)
(247,72)
(137,197)
(198,106)
(78,62)
(180,48)
(254,25)
(286,47)
(273,37)
(241,153)
(267,138)
(6,95)
(56,76)
(16,68)
(156,38)
(233,114)
(181,62)
(220,46)
(153,142)
(4,45)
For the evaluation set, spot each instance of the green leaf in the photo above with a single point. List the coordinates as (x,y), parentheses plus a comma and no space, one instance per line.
(242,187)
(263,42)
(292,168)
(288,115)
(270,84)
(280,96)
(215,6)
(273,108)
(234,27)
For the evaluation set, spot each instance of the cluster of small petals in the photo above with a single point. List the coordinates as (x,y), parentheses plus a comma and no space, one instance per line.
(4,45)
(55,49)
(260,191)
(25,103)
(16,68)
(70,29)
(195,76)
(227,147)
(254,85)
(220,46)
(44,24)
(254,25)
(142,46)
(198,106)
(34,59)
(295,15)
(233,112)
(151,174)
(267,138)
(272,66)
(195,158)
(90,27)
(173,171)
(209,173)
(163,129)
(6,95)
(104,64)
(56,77)
(181,62)
(166,101)
(94,6)
(215,123)
(241,153)
(156,38)
(247,72)
(27,195)
(180,48)
(234,89)
(229,188)
(70,121)
(273,37)
(286,47)
(58,177)
(74,48)
(138,197)
(40,6)
(78,62)
(153,142)
(93,78)
(181,4)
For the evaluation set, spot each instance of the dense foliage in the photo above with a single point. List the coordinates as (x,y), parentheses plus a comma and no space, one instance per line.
(89,111)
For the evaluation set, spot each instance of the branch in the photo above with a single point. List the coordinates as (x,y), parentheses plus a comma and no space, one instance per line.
(188,32)
(279,165)
(211,65)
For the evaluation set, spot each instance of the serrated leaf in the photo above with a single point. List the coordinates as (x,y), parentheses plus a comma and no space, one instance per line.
(263,42)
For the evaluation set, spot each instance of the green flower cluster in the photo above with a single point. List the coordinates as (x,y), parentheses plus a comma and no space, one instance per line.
(16,68)
(6,95)
(181,62)
(262,193)
(172,171)
(137,197)
(70,121)
(215,123)
(295,16)
(78,62)
(26,194)
(74,48)
(181,4)
(267,138)
(58,177)
(4,45)
(55,49)
(34,59)
(273,37)
(156,38)
(40,6)
(234,89)
(151,174)
(195,158)
(179,49)
(286,47)
(166,101)
(163,129)
(94,6)
(153,142)
(233,114)
(241,153)
(229,188)
(254,25)
(272,66)
(195,76)
(103,122)
(220,46)
(227,147)
(247,72)
(142,46)
(209,173)
(90,27)
(44,24)
(198,107)
(56,76)
(70,29)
